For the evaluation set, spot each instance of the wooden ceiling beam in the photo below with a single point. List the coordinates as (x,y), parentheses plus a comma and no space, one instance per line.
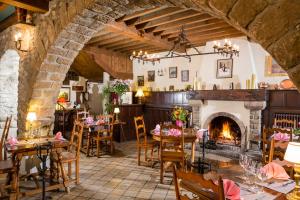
(149,50)
(41,6)
(171,18)
(98,39)
(110,41)
(130,32)
(3,6)
(205,32)
(153,16)
(179,23)
(9,21)
(120,44)
(217,37)
(198,28)
(134,47)
(140,13)
(212,34)
(191,26)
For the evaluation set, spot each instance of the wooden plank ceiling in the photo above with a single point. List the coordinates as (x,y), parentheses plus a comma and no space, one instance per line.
(156,30)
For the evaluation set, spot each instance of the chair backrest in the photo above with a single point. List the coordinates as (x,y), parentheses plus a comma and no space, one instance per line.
(171,143)
(277,149)
(284,123)
(267,137)
(197,184)
(82,115)
(140,129)
(4,136)
(76,137)
(108,125)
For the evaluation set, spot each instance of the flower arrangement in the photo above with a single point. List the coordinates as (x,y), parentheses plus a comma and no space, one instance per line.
(119,86)
(179,115)
(296,131)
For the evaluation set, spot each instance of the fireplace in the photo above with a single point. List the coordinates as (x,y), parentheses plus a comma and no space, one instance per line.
(224,130)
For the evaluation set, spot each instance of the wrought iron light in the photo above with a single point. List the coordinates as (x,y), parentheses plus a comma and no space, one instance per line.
(181,42)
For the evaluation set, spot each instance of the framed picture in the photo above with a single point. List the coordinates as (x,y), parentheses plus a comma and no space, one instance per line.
(140,80)
(272,68)
(64,93)
(224,68)
(151,76)
(185,75)
(171,88)
(172,72)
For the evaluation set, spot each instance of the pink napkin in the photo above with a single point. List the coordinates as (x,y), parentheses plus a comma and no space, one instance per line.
(179,123)
(174,132)
(12,141)
(58,136)
(281,136)
(89,120)
(274,170)
(157,129)
(200,133)
(231,190)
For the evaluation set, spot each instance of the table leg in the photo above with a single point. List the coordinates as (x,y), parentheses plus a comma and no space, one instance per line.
(17,159)
(193,152)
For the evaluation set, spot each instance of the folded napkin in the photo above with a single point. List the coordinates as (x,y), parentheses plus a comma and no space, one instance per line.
(12,141)
(274,170)
(282,136)
(174,132)
(157,129)
(89,120)
(179,123)
(58,136)
(231,190)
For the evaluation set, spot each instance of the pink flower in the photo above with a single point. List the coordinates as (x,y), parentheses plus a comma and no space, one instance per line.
(179,123)
(89,120)
(58,136)
(12,141)
(281,136)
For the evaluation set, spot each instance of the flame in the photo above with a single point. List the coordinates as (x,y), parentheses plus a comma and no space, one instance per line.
(226,131)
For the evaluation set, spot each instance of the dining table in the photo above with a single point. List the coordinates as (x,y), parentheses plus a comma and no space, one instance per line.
(189,138)
(28,147)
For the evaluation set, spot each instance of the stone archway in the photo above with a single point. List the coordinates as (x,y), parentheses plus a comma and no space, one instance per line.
(70,24)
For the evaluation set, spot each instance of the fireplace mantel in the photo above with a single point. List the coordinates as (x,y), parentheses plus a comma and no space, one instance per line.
(228,95)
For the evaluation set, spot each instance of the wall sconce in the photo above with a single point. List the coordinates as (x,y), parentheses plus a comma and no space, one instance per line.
(31,117)
(117,111)
(18,42)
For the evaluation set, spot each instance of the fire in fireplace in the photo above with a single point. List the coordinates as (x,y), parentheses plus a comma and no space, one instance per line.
(224,130)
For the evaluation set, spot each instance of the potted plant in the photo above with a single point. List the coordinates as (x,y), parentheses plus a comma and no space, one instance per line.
(179,115)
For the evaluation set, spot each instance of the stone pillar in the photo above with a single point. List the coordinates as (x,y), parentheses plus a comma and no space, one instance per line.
(196,108)
(254,132)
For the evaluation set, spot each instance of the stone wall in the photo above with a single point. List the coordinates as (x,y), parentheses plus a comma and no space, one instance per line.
(9,73)
(62,32)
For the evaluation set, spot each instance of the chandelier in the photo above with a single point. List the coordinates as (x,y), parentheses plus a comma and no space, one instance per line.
(181,42)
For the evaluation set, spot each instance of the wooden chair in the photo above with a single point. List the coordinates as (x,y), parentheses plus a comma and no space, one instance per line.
(171,150)
(105,133)
(7,166)
(284,123)
(277,151)
(142,141)
(198,185)
(266,140)
(82,115)
(69,156)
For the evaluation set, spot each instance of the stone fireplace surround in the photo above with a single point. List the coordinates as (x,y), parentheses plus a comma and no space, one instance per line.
(246,111)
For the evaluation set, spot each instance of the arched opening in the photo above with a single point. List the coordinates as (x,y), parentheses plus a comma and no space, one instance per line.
(9,74)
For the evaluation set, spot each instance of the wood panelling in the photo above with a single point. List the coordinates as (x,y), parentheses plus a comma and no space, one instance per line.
(280,101)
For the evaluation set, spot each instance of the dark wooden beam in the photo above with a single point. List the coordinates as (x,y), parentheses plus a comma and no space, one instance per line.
(179,23)
(153,16)
(130,32)
(41,6)
(172,18)
(9,21)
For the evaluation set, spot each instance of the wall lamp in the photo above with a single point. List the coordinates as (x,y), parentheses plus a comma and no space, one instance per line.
(18,42)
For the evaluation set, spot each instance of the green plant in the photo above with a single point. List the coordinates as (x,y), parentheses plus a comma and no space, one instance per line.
(179,113)
(119,87)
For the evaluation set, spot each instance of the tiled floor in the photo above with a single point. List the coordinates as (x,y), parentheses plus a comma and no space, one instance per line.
(117,177)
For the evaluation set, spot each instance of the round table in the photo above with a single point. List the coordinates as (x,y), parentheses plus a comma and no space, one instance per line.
(189,137)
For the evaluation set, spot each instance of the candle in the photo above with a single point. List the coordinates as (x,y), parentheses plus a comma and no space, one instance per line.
(253,80)
(247,84)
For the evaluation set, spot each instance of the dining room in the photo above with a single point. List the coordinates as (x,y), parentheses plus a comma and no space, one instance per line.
(149,99)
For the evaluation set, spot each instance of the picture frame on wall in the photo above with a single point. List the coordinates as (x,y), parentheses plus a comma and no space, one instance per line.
(224,68)
(151,76)
(272,68)
(140,81)
(171,88)
(185,76)
(172,72)
(64,93)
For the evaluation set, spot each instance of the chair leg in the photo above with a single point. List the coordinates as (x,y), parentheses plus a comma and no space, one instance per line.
(146,151)
(63,174)
(111,146)
(77,171)
(139,156)
(69,169)
(161,171)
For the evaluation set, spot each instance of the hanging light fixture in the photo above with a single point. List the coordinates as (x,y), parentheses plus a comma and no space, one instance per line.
(226,49)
